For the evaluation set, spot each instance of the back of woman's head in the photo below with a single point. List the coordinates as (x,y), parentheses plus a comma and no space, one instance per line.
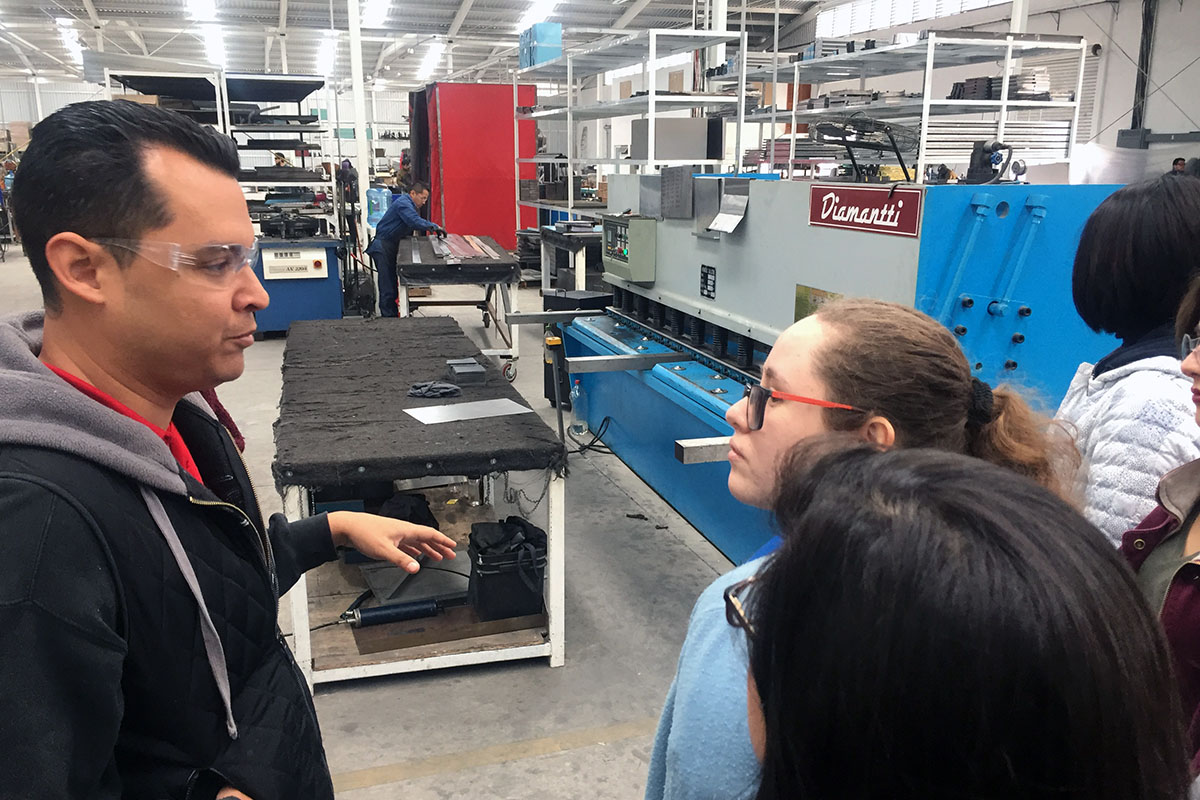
(1136,255)
(895,362)
(935,627)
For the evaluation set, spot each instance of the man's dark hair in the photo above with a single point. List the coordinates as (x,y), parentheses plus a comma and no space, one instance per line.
(1136,256)
(83,173)
(417,188)
(938,627)
(1179,161)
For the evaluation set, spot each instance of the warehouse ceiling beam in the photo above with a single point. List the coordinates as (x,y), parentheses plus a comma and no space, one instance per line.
(464,8)
(136,38)
(20,55)
(631,13)
(389,50)
(30,46)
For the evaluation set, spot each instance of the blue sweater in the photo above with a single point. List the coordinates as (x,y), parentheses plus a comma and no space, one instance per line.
(702,748)
(401,219)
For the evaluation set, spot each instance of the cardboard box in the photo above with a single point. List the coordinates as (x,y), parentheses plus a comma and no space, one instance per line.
(18,133)
(144,99)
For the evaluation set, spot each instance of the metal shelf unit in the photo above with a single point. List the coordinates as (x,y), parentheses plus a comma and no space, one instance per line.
(612,53)
(950,139)
(253,87)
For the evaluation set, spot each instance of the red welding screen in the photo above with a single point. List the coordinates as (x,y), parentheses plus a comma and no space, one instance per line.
(473,169)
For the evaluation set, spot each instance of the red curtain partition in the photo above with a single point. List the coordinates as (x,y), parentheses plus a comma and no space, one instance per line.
(473,172)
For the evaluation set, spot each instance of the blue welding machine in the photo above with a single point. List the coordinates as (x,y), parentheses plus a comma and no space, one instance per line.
(303,278)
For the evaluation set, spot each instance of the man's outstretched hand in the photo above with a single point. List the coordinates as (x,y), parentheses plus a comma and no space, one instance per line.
(389,539)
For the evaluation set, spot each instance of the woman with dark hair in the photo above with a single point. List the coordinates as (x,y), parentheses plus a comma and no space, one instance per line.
(1130,410)
(937,627)
(1164,549)
(878,372)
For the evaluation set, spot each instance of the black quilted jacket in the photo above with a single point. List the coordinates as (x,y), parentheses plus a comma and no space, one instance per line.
(106,689)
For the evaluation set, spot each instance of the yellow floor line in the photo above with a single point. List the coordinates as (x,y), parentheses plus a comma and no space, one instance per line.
(494,754)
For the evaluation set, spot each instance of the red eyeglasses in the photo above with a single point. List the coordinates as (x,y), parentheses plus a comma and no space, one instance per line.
(756,397)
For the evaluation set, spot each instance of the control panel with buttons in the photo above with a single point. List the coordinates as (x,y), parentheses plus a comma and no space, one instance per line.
(629,247)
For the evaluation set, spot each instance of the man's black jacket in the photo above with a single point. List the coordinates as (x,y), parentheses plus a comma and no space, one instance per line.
(107,687)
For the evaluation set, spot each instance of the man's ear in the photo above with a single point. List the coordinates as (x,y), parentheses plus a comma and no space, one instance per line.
(82,268)
(879,431)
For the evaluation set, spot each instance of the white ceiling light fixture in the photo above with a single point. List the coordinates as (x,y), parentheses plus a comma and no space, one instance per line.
(375,13)
(432,58)
(214,44)
(327,55)
(538,11)
(202,10)
(70,38)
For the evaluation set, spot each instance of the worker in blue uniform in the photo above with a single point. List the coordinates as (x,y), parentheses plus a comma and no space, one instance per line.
(403,219)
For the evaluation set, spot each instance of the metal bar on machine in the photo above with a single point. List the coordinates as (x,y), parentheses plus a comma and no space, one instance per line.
(622,363)
(416,251)
(440,248)
(547,317)
(702,451)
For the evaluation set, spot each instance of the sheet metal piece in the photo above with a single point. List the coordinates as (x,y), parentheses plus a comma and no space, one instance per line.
(487,249)
(416,251)
(457,412)
(471,240)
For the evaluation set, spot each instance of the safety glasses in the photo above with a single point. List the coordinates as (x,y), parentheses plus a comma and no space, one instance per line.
(735,605)
(1188,345)
(756,397)
(215,264)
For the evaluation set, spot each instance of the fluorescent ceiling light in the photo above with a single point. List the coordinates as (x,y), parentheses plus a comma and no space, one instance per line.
(214,44)
(70,39)
(539,11)
(202,10)
(433,57)
(375,13)
(327,55)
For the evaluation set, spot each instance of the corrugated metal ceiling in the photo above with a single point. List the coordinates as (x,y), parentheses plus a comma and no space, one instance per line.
(33,34)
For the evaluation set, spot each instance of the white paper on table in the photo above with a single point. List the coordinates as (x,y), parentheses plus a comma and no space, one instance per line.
(479,409)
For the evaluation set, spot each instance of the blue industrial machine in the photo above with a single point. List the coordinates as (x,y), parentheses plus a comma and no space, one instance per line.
(715,281)
(303,278)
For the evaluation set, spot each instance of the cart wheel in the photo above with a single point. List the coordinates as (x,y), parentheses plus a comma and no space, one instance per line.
(486,320)
(510,371)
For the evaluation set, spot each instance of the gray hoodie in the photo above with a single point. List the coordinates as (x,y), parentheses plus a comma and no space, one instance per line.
(40,409)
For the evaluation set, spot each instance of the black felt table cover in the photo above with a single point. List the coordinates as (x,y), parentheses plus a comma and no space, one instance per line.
(342,420)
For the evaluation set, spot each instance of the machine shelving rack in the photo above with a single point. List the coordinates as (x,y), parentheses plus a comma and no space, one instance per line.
(604,55)
(273,88)
(950,139)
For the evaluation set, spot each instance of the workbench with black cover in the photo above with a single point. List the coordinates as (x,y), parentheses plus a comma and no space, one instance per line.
(459,260)
(343,437)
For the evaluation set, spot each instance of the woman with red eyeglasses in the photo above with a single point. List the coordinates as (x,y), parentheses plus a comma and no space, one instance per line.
(883,374)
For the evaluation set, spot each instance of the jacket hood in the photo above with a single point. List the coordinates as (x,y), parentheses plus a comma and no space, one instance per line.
(40,409)
(1167,366)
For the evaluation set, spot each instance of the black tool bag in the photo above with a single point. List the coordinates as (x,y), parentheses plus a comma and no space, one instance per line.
(508,567)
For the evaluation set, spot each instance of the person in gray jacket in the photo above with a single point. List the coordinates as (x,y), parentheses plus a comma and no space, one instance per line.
(139,584)
(1132,409)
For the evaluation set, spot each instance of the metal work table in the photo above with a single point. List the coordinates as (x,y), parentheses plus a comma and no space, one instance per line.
(574,242)
(463,260)
(343,446)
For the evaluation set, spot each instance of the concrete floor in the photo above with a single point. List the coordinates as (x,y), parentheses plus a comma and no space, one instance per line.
(516,730)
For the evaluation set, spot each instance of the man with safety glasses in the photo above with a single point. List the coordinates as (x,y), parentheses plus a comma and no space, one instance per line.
(138,583)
